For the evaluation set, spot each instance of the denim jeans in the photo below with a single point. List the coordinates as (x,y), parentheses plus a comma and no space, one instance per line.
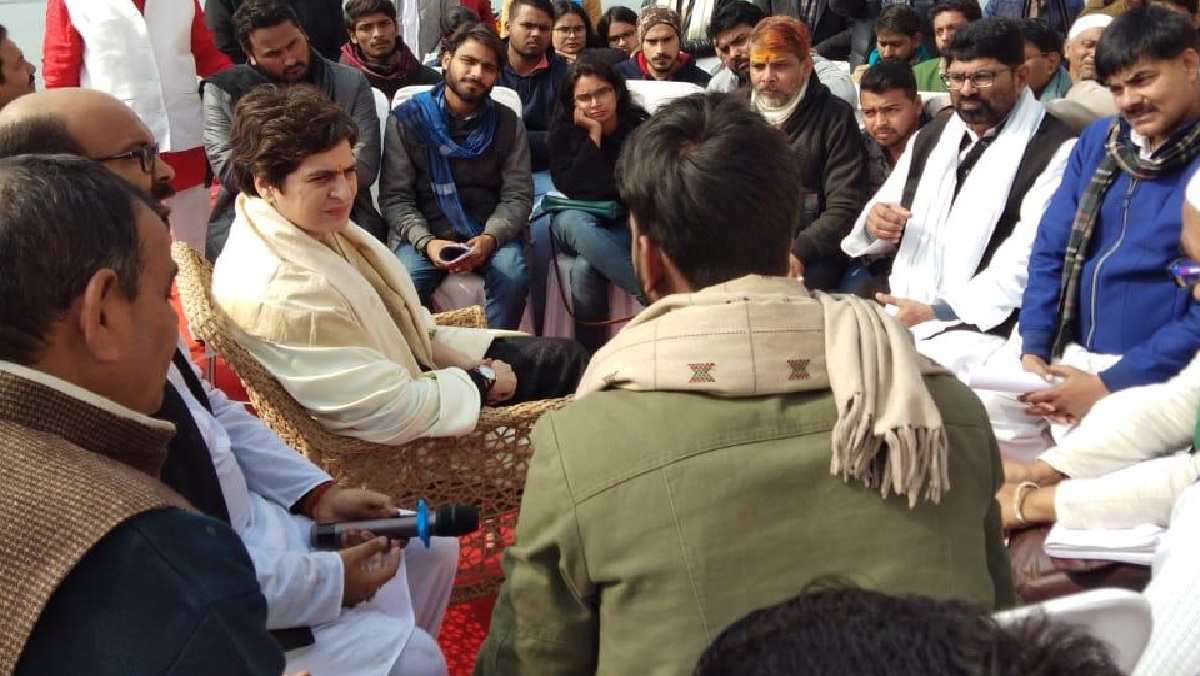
(601,250)
(505,281)
(539,250)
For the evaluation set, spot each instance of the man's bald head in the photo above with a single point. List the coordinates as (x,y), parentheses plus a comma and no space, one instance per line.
(102,127)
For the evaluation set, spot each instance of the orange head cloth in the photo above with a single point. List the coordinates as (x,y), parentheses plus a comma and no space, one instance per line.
(779,35)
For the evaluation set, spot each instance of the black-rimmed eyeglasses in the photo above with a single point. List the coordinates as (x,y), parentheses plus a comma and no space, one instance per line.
(147,157)
(981,79)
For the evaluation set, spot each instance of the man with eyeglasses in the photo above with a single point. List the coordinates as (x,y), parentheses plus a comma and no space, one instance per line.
(148,53)
(730,34)
(951,229)
(231,467)
(1100,313)
(103,129)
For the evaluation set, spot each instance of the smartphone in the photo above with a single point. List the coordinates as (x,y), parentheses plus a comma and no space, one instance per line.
(454,253)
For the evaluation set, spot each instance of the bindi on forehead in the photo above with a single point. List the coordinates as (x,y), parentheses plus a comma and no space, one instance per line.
(763,58)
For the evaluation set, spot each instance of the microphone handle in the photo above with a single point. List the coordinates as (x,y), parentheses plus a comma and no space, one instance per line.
(329,536)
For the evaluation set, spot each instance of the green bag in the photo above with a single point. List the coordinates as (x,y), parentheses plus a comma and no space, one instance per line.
(554,202)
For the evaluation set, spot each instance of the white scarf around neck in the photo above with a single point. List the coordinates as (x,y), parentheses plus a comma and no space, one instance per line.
(777,115)
(946,237)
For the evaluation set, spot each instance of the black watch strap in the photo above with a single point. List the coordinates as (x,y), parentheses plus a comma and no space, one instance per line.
(482,383)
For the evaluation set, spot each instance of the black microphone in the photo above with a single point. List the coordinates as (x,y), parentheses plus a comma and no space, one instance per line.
(452,520)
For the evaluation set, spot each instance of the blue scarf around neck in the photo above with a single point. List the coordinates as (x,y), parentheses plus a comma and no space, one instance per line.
(426,116)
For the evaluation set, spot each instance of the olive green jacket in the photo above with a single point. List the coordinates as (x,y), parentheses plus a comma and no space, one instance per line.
(653,520)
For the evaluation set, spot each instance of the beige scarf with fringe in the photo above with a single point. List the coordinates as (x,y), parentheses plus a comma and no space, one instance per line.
(759,336)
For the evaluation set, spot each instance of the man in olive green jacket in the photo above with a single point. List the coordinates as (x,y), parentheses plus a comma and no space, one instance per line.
(740,438)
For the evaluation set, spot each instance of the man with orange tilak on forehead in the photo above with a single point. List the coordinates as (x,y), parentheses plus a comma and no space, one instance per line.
(824,136)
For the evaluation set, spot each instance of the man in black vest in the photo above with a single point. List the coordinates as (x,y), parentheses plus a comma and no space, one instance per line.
(231,467)
(280,53)
(949,233)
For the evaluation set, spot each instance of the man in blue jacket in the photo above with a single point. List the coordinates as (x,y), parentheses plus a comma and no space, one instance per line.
(1100,312)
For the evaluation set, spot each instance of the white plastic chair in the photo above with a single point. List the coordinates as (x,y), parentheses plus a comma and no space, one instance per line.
(504,95)
(1119,617)
(653,94)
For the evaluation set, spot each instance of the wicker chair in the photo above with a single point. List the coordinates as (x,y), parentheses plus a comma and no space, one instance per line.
(486,467)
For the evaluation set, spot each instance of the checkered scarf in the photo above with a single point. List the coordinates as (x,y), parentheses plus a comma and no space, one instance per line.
(1121,156)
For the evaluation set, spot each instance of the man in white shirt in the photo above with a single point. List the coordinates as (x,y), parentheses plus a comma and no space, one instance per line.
(948,246)
(371,608)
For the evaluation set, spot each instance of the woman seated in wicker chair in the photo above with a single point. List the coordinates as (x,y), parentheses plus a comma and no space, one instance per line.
(331,313)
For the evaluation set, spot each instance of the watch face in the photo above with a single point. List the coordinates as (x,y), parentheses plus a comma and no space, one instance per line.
(487,372)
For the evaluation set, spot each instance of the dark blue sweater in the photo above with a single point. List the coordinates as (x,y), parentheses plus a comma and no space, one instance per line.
(537,92)
(1127,303)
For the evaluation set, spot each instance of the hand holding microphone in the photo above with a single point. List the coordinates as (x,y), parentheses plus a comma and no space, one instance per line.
(376,557)
(368,566)
(447,520)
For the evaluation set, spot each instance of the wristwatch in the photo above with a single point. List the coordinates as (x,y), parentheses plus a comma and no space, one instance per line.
(484,378)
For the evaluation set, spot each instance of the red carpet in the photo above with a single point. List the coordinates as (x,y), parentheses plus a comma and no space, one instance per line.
(465,625)
(462,633)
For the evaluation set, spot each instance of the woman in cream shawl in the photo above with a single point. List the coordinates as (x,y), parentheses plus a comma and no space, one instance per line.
(331,312)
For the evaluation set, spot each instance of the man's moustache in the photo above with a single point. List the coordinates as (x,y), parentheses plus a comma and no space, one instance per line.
(1138,110)
(162,190)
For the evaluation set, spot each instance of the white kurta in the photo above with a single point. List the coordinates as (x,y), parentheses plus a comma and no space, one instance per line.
(261,478)
(1124,459)
(1133,428)
(984,299)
